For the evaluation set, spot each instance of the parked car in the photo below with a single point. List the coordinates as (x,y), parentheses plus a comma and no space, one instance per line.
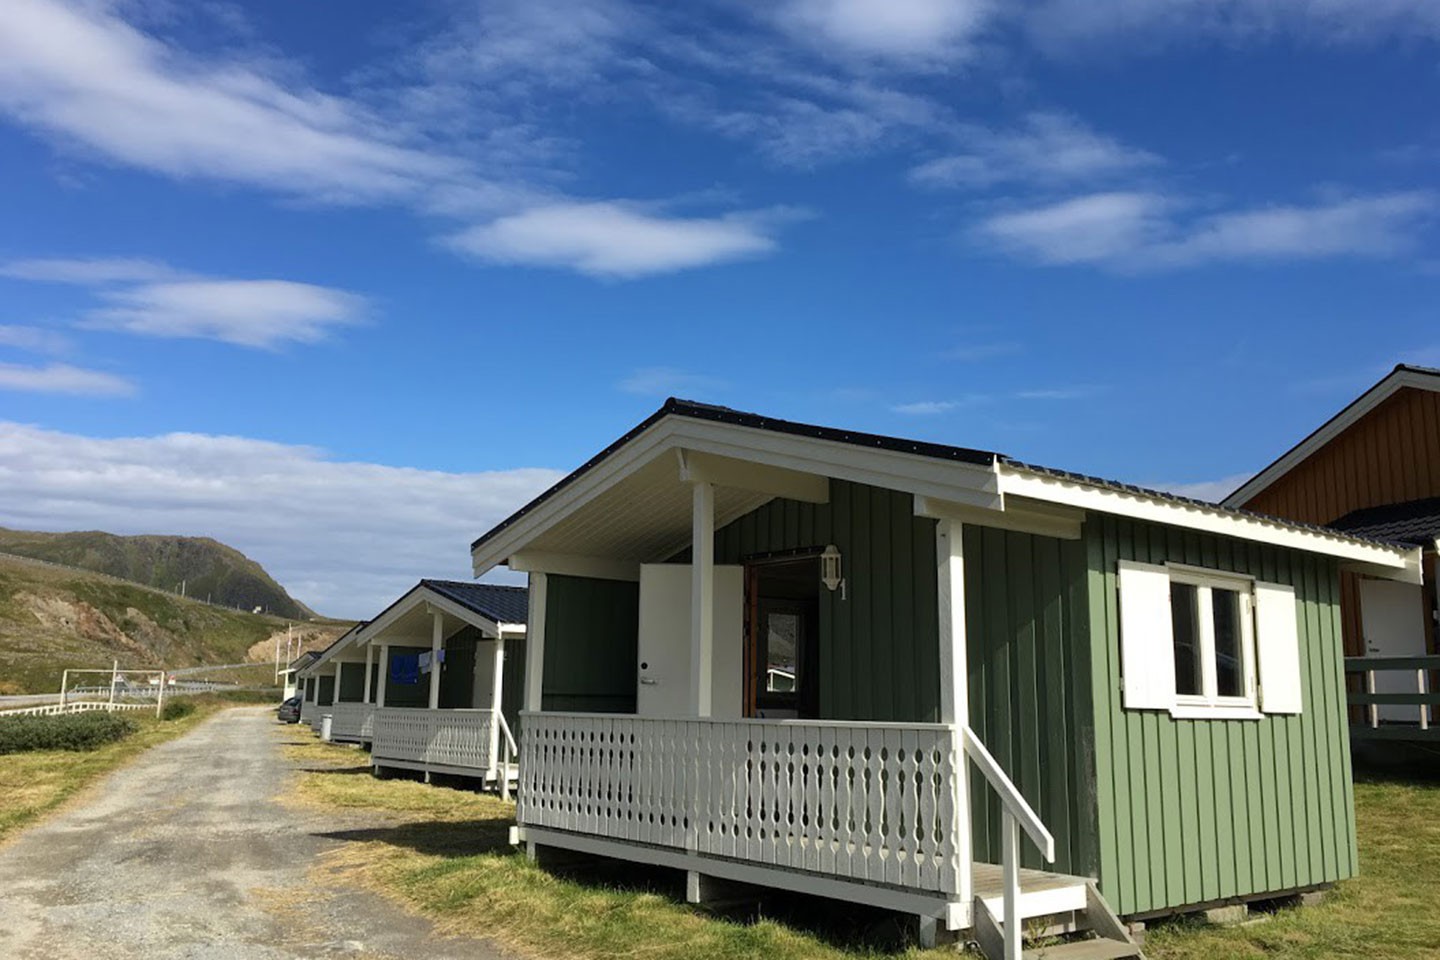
(289,711)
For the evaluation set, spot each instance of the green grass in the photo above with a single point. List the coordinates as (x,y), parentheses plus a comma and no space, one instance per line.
(444,852)
(33,785)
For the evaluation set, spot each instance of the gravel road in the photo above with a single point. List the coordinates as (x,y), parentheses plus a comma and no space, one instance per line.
(187,854)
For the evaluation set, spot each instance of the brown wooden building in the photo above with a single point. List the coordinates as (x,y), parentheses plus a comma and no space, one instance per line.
(1373,469)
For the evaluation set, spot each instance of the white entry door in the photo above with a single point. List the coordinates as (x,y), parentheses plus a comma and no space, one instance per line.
(663,686)
(1392,616)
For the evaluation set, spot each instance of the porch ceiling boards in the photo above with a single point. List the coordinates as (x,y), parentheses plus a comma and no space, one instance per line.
(645,517)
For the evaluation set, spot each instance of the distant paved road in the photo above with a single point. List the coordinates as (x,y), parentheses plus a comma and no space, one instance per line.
(187,854)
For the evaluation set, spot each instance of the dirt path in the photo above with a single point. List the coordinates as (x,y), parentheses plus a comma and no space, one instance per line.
(187,854)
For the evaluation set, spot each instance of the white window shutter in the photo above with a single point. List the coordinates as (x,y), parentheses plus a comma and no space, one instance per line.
(1277,642)
(1147,643)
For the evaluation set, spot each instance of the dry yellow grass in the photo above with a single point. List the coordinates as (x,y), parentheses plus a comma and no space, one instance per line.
(445,853)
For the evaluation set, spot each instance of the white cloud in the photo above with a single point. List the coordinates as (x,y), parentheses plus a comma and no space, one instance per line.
(1146,231)
(1150,24)
(250,313)
(91,271)
(90,80)
(261,313)
(63,379)
(346,538)
(1045,148)
(668,382)
(910,31)
(617,239)
(1097,228)
(925,408)
(1211,491)
(33,339)
(87,77)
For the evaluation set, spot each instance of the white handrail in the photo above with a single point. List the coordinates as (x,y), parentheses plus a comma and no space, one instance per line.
(512,752)
(1010,796)
(1014,809)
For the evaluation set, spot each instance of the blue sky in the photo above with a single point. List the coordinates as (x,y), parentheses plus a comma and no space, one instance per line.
(343,284)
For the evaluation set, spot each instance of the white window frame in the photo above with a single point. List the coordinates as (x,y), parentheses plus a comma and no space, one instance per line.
(1209,705)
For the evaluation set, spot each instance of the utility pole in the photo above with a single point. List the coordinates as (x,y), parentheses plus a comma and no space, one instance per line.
(277,656)
(64,682)
(114,679)
(160,697)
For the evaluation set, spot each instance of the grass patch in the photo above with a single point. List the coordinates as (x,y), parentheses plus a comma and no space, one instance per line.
(445,853)
(38,783)
(1387,911)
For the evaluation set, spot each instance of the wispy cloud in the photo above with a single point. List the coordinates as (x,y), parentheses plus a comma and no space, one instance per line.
(926,408)
(669,382)
(916,33)
(33,339)
(618,240)
(310,519)
(1148,231)
(1044,148)
(93,82)
(1057,393)
(61,378)
(1145,25)
(262,313)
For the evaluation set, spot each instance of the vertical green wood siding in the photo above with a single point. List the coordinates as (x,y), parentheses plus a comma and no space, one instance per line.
(592,628)
(457,675)
(352,682)
(512,689)
(1193,811)
(879,650)
(327,691)
(407,694)
(1027,637)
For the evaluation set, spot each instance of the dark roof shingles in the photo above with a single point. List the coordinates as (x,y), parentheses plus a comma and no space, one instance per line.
(1414,522)
(494,601)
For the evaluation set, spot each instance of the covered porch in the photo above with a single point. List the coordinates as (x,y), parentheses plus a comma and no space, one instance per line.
(783,698)
(442,665)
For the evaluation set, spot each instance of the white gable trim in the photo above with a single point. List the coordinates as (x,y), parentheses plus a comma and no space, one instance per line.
(421,594)
(1331,429)
(953,480)
(1394,563)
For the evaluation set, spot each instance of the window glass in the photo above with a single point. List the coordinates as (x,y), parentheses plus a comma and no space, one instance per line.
(1229,672)
(782,635)
(1185,613)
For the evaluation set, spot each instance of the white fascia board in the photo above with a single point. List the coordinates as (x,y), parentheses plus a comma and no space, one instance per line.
(967,483)
(574,565)
(1396,563)
(1332,428)
(1019,514)
(374,631)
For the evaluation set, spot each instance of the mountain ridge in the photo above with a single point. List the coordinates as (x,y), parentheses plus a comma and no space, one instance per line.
(202,567)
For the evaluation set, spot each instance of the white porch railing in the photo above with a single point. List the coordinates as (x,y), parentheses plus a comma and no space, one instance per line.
(457,739)
(74,706)
(1015,814)
(351,721)
(872,802)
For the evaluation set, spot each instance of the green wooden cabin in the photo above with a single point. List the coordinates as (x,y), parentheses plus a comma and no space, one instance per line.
(1150,689)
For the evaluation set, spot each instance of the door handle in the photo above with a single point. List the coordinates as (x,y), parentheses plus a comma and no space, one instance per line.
(647,681)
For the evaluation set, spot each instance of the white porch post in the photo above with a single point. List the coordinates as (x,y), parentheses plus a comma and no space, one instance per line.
(702,596)
(369,672)
(954,692)
(384,673)
(437,637)
(535,643)
(497,688)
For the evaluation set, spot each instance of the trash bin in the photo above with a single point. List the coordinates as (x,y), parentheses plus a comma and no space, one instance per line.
(325,727)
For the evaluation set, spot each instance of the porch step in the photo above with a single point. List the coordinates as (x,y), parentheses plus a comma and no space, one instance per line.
(1098,932)
(1099,949)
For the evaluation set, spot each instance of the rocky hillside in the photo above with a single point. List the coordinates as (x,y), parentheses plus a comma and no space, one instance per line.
(52,618)
(205,568)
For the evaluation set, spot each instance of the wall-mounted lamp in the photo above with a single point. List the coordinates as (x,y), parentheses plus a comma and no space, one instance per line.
(830,572)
